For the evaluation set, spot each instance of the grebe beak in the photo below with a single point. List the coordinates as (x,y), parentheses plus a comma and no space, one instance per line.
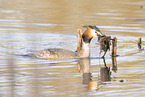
(99,33)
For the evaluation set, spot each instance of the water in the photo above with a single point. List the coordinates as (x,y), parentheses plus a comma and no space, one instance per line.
(29,25)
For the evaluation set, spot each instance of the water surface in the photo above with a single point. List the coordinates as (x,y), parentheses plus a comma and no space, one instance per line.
(32,25)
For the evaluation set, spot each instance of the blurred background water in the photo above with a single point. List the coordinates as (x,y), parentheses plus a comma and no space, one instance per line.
(31,25)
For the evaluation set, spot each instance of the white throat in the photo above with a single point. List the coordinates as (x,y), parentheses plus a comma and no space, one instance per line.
(93,32)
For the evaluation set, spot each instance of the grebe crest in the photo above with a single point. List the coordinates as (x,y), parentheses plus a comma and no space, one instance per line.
(58,53)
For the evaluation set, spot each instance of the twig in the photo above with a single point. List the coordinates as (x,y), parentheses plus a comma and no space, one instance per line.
(140,46)
(114,47)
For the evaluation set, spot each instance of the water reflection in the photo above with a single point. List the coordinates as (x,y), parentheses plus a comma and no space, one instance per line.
(104,76)
(105,72)
(84,67)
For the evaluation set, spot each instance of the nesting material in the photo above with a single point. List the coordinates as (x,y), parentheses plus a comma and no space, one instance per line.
(104,42)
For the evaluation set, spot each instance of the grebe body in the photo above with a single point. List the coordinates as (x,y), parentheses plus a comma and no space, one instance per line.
(55,53)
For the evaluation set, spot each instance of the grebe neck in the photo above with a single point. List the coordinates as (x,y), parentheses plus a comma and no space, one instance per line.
(85,48)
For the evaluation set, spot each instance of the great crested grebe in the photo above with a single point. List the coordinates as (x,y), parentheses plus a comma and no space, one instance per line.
(57,53)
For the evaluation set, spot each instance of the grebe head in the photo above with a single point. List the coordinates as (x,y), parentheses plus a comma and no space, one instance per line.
(92,31)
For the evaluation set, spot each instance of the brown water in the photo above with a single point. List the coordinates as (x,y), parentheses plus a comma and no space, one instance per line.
(30,25)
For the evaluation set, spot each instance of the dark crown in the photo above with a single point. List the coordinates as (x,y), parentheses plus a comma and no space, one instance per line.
(92,27)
